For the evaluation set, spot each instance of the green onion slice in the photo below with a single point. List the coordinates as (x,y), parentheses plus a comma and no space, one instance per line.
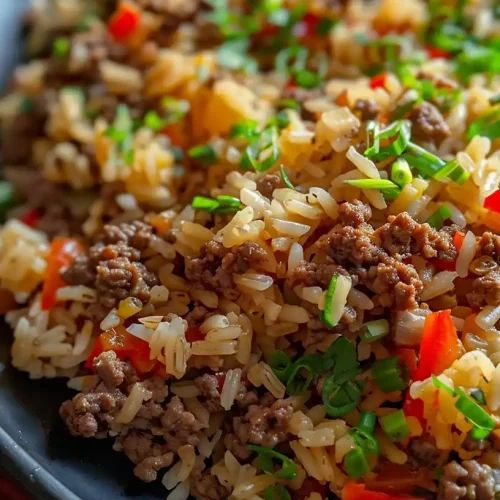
(335,299)
(60,47)
(356,464)
(400,129)
(372,183)
(204,153)
(438,218)
(222,204)
(401,172)
(153,121)
(286,180)
(281,364)
(487,125)
(341,360)
(276,492)
(263,151)
(395,426)
(479,396)
(372,331)
(388,374)
(302,373)
(266,460)
(340,399)
(247,129)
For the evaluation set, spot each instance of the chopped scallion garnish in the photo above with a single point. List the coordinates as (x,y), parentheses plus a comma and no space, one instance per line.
(222,204)
(401,172)
(247,129)
(371,183)
(263,151)
(356,464)
(399,129)
(388,374)
(335,299)
(438,218)
(266,460)
(153,121)
(60,47)
(302,372)
(487,125)
(372,331)
(281,365)
(286,180)
(276,492)
(394,425)
(479,396)
(121,132)
(203,153)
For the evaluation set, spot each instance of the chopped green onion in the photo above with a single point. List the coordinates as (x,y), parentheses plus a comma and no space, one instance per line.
(204,153)
(372,331)
(280,120)
(280,364)
(487,125)
(276,492)
(401,172)
(247,129)
(340,399)
(367,421)
(394,425)
(438,218)
(479,396)
(233,54)
(285,178)
(477,59)
(266,457)
(401,129)
(153,121)
(60,47)
(388,374)
(296,54)
(335,299)
(302,373)
(439,384)
(222,204)
(356,464)
(288,104)
(307,79)
(263,151)
(6,198)
(341,359)
(121,132)
(363,436)
(204,203)
(371,183)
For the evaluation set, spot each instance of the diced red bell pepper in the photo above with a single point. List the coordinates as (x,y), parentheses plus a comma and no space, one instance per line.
(31,217)
(409,359)
(194,333)
(356,491)
(378,81)
(124,21)
(450,265)
(62,253)
(126,346)
(439,346)
(414,408)
(492,202)
(310,485)
(437,53)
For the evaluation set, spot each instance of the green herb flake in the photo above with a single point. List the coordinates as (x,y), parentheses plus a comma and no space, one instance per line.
(204,153)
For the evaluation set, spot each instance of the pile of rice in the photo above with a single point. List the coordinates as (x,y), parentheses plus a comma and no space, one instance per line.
(74,176)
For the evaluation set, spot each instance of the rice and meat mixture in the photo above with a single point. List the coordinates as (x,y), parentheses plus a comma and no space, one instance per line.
(261,240)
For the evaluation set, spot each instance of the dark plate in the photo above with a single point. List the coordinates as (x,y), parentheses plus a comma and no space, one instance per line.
(34,446)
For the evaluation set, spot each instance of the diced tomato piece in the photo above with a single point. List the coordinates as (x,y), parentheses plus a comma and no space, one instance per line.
(62,253)
(378,81)
(193,334)
(492,202)
(437,53)
(409,359)
(355,491)
(439,346)
(124,21)
(310,485)
(31,217)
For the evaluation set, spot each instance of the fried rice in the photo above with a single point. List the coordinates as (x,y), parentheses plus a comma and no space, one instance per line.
(260,240)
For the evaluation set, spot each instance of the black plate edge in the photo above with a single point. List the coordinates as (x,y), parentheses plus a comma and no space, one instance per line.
(35,478)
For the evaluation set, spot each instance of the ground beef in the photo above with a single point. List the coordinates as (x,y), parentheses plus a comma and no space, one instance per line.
(312,274)
(485,290)
(403,237)
(216,264)
(110,369)
(209,387)
(264,425)
(205,486)
(467,480)
(354,214)
(268,183)
(428,123)
(489,244)
(367,109)
(112,266)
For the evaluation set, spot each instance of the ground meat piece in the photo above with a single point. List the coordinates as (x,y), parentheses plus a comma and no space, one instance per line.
(470,479)
(349,246)
(354,214)
(135,234)
(311,274)
(205,486)
(119,278)
(489,244)
(216,264)
(209,386)
(180,426)
(268,183)
(401,236)
(245,398)
(147,469)
(264,425)
(485,290)
(196,316)
(428,122)
(110,369)
(367,109)
(423,452)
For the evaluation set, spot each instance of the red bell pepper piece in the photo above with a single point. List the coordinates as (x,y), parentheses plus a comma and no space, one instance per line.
(31,217)
(378,81)
(437,53)
(492,202)
(355,491)
(409,359)
(194,333)
(439,345)
(124,21)
(62,253)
